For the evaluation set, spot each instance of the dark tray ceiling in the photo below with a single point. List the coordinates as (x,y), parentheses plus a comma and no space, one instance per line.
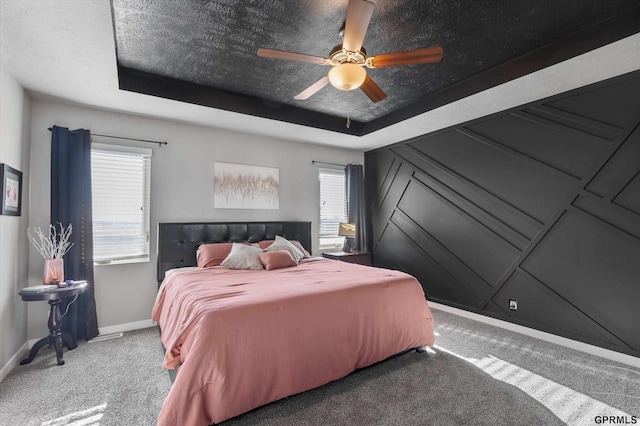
(204,52)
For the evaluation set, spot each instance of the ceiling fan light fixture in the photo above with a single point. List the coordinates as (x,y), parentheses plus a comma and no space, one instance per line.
(347,76)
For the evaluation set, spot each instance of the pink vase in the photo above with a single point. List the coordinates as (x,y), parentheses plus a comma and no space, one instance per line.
(53,271)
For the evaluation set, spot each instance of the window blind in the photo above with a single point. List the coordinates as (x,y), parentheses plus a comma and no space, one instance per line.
(121,185)
(333,205)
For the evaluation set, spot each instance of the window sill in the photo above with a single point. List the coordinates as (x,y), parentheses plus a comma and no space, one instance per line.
(330,248)
(120,261)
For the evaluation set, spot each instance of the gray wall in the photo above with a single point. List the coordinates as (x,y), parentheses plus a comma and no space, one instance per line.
(181,190)
(540,204)
(15,110)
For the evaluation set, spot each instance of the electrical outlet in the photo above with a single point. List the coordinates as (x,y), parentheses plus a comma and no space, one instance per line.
(513,304)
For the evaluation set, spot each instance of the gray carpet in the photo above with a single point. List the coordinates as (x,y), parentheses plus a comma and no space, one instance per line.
(120,382)
(117,382)
(577,386)
(411,389)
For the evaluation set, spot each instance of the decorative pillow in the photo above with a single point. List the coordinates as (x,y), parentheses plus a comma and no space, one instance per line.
(266,243)
(243,257)
(301,248)
(209,255)
(276,259)
(284,244)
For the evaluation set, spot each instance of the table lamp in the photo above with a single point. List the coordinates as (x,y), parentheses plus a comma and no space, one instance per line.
(348,231)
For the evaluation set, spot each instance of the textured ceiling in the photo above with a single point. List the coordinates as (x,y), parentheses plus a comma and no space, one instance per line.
(204,52)
(65,51)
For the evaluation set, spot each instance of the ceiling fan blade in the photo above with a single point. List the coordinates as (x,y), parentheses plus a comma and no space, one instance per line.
(419,56)
(372,90)
(311,90)
(358,16)
(291,56)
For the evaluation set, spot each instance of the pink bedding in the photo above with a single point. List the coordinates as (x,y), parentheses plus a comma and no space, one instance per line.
(247,338)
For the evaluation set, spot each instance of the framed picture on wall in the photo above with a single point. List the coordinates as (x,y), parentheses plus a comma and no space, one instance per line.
(239,186)
(11,190)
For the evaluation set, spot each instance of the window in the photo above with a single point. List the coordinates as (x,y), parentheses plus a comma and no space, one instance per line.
(120,185)
(333,207)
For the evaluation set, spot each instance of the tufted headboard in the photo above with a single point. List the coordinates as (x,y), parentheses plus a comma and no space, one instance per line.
(178,242)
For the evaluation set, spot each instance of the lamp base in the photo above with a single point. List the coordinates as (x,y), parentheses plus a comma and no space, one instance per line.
(349,245)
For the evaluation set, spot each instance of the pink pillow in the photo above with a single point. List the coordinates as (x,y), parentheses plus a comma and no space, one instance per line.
(276,259)
(213,254)
(266,243)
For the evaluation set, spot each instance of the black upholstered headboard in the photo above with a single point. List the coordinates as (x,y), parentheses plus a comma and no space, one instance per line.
(178,242)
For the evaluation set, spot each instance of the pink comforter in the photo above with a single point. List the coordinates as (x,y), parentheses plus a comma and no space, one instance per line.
(247,338)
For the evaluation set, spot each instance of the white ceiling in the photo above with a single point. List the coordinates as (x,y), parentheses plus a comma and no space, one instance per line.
(65,49)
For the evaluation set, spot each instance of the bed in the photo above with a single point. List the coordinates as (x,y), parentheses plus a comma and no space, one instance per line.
(244,338)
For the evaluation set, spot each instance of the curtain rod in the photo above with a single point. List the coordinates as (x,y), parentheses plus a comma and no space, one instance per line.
(160,143)
(330,164)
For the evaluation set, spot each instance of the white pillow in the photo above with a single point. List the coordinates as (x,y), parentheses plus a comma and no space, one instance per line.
(243,257)
(283,244)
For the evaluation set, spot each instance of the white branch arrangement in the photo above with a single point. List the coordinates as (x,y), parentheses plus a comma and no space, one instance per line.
(52,246)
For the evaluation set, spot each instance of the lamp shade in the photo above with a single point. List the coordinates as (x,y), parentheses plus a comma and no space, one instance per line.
(347,230)
(347,76)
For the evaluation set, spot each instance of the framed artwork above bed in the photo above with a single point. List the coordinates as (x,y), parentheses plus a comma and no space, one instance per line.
(239,186)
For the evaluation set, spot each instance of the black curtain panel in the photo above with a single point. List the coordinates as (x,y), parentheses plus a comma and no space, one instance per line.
(356,208)
(71,204)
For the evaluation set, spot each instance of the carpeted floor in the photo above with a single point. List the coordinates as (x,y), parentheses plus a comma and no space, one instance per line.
(476,375)
(411,389)
(576,386)
(117,382)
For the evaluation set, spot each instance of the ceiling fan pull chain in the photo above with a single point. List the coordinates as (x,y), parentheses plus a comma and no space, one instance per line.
(347,101)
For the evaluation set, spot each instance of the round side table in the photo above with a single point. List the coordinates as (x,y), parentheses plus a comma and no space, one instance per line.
(56,338)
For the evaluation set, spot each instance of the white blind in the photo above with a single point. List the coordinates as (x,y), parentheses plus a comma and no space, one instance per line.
(120,183)
(333,203)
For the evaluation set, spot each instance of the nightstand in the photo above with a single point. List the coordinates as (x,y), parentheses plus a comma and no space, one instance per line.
(56,338)
(359,257)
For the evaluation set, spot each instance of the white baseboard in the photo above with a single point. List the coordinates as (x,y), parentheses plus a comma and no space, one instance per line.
(548,337)
(15,359)
(127,327)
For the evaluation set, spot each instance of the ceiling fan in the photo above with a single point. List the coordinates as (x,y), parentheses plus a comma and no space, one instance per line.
(348,60)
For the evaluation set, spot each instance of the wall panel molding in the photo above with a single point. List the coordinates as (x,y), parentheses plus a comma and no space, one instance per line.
(505,232)
(558,312)
(540,204)
(517,220)
(396,247)
(571,123)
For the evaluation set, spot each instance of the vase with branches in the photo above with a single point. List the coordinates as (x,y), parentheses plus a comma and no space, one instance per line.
(52,246)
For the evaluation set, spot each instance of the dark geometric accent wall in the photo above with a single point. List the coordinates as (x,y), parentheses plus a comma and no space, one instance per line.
(538,204)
